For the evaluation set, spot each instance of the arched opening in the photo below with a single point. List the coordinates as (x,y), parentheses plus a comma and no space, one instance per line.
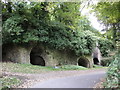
(83,62)
(36,58)
(96,61)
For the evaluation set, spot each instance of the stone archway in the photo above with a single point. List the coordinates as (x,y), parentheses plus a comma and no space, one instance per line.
(96,56)
(36,56)
(83,61)
(96,61)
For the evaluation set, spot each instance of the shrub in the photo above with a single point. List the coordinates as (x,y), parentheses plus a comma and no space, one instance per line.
(113,74)
(105,46)
(107,61)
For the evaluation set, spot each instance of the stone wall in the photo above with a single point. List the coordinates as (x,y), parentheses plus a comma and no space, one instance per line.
(51,56)
(16,53)
(57,57)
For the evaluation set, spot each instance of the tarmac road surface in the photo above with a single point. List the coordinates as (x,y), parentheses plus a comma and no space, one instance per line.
(87,80)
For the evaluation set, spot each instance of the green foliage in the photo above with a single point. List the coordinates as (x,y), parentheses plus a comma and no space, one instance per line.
(109,14)
(105,46)
(113,74)
(83,43)
(106,62)
(13,31)
(62,37)
(58,36)
(67,13)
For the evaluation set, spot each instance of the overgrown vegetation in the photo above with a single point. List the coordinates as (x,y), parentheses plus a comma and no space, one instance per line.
(48,23)
(106,62)
(113,74)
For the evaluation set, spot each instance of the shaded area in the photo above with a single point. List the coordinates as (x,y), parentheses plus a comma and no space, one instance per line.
(36,58)
(96,61)
(83,62)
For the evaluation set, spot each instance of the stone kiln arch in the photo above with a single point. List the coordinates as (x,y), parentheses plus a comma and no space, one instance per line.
(36,56)
(83,61)
(96,61)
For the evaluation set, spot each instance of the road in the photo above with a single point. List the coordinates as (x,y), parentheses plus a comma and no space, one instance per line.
(87,80)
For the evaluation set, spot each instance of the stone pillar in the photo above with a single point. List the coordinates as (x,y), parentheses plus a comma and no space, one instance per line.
(89,57)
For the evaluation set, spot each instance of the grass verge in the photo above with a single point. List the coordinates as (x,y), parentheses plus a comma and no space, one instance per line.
(98,66)
(8,82)
(29,69)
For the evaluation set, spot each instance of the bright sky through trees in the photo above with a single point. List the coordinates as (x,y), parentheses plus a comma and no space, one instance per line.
(91,16)
(86,11)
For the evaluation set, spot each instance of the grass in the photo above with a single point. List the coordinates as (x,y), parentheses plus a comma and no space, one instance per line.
(72,67)
(24,68)
(98,66)
(28,68)
(8,82)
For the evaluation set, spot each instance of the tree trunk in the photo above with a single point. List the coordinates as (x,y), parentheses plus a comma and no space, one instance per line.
(114,33)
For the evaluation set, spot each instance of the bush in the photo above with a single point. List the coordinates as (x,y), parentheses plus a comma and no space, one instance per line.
(83,42)
(107,61)
(105,46)
(113,74)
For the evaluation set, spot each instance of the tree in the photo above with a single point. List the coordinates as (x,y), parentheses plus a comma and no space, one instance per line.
(55,25)
(109,14)
(67,13)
